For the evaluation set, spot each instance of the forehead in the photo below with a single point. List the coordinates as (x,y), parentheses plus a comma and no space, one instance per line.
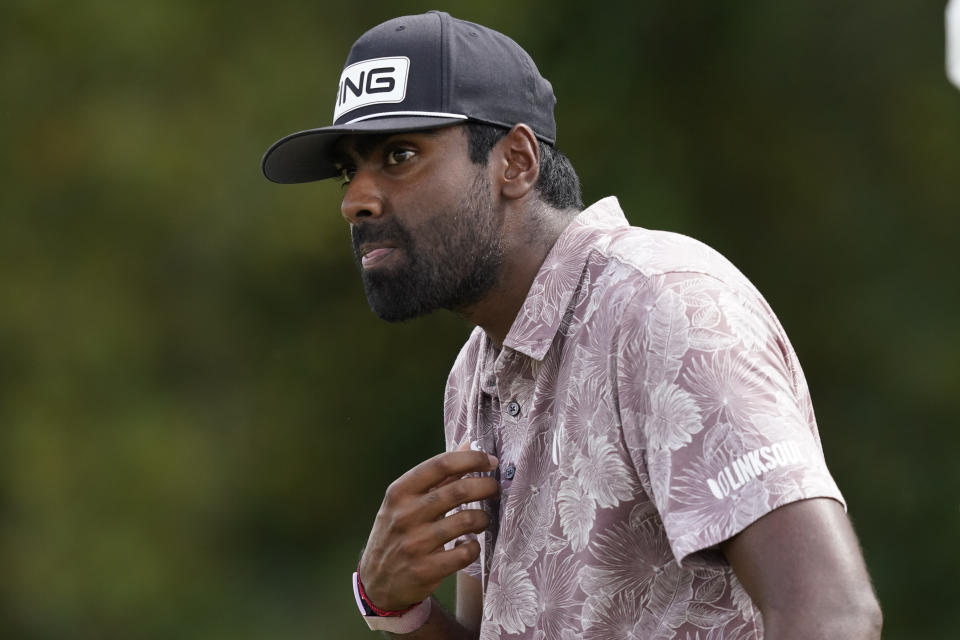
(362,145)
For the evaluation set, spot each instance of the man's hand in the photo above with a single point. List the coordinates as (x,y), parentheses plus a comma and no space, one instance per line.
(404,560)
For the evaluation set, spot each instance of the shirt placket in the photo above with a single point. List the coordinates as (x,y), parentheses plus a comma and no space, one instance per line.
(500,405)
(483,438)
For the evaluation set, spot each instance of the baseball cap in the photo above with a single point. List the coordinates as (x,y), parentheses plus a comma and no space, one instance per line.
(421,72)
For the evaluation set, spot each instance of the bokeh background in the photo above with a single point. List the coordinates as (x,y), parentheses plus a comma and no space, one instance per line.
(198,413)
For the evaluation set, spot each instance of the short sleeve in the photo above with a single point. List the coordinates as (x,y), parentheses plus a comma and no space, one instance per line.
(716,414)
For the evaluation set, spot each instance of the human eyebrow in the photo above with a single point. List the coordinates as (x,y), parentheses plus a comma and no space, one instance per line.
(365,145)
(357,147)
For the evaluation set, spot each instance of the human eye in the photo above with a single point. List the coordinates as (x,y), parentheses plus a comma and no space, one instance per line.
(398,155)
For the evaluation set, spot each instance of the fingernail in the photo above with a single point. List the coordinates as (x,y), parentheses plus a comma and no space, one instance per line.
(493,461)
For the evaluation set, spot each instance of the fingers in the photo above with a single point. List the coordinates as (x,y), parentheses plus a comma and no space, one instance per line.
(405,557)
(442,466)
(459,492)
(464,446)
(436,534)
(446,563)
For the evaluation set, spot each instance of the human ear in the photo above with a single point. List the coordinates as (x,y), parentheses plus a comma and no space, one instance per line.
(520,161)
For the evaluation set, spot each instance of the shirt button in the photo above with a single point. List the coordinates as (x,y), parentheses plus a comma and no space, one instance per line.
(513,408)
(510,471)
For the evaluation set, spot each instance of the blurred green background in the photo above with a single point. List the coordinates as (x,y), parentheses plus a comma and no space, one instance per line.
(198,413)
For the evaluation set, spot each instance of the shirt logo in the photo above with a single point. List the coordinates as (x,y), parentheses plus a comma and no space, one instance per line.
(753,465)
(375,81)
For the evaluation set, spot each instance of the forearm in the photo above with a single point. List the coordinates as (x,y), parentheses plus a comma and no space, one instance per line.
(441,625)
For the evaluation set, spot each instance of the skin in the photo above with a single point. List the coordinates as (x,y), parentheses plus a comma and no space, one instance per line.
(420,177)
(404,560)
(802,566)
(800,563)
(447,257)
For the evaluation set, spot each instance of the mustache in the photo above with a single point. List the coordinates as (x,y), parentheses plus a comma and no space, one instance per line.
(387,231)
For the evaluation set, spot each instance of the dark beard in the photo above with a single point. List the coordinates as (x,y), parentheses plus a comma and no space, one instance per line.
(451,261)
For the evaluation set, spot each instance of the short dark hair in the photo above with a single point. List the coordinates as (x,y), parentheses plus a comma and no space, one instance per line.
(558,184)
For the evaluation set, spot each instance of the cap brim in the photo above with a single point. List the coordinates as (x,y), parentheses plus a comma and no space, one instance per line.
(305,156)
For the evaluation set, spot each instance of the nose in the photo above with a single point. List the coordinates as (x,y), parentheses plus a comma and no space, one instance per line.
(361,198)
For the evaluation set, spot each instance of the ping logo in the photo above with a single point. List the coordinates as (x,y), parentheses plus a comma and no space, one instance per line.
(376,81)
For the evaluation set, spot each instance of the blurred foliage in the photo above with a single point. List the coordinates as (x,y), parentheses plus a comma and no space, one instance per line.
(198,413)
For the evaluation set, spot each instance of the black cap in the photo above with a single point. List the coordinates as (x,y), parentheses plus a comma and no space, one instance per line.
(421,72)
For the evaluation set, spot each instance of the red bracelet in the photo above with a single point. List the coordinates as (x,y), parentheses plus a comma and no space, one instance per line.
(383,613)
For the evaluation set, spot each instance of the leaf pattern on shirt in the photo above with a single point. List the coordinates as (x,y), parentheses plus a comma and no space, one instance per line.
(673,417)
(707,332)
(666,608)
(711,590)
(624,558)
(593,366)
(577,512)
(558,608)
(531,508)
(589,413)
(646,367)
(612,618)
(710,340)
(667,338)
(511,599)
(660,476)
(490,630)
(606,306)
(706,314)
(546,374)
(553,286)
(603,474)
(726,387)
(709,616)
(745,320)
(713,634)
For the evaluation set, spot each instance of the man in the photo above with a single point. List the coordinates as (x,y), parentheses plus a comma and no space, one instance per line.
(631,449)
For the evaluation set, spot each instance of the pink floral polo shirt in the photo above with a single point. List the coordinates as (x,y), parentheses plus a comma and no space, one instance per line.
(646,405)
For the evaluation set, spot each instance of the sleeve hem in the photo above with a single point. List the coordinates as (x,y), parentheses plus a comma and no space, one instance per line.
(684,553)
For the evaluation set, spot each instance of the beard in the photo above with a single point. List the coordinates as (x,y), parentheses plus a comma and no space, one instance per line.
(450,261)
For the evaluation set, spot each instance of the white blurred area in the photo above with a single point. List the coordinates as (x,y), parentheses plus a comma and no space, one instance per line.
(953,42)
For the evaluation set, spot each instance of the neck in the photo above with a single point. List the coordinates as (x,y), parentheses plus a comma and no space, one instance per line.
(524,250)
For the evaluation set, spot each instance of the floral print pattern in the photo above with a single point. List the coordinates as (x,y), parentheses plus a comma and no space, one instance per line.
(661,411)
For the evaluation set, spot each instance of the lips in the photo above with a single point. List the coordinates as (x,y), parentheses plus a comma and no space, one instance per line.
(371,257)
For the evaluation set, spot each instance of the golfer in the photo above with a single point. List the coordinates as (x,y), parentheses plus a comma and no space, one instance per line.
(631,447)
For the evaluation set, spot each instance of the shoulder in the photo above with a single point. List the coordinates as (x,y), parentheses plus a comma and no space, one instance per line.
(673,273)
(659,253)
(651,252)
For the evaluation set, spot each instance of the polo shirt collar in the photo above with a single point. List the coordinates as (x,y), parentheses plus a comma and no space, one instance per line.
(552,290)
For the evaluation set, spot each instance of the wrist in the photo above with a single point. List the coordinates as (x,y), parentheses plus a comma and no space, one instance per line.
(394,621)
(371,607)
